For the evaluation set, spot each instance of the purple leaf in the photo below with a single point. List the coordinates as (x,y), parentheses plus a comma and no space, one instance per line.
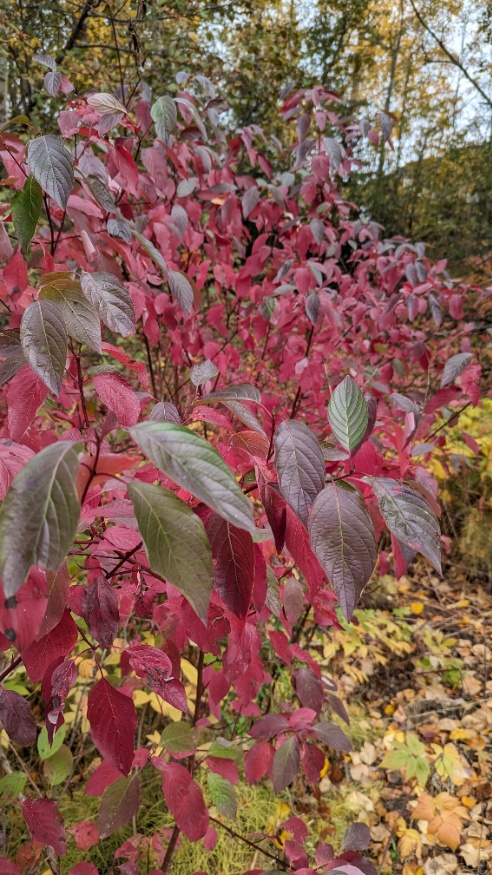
(100,610)
(285,764)
(342,537)
(454,367)
(300,466)
(409,517)
(17,718)
(309,689)
(332,736)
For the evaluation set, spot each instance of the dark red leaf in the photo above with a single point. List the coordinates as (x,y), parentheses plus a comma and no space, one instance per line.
(17,718)
(233,555)
(113,720)
(59,642)
(100,610)
(275,509)
(45,824)
(269,726)
(185,801)
(309,689)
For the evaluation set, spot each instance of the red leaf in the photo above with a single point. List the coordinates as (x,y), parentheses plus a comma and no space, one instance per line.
(21,615)
(59,642)
(17,718)
(25,394)
(258,761)
(119,397)
(45,824)
(58,585)
(86,834)
(57,683)
(104,775)
(275,509)
(234,561)
(83,869)
(313,760)
(100,610)
(297,543)
(13,457)
(113,721)
(185,801)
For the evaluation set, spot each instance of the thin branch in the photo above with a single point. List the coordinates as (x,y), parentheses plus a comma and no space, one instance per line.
(76,30)
(452,57)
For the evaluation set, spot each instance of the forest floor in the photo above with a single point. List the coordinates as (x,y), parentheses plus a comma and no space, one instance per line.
(417,672)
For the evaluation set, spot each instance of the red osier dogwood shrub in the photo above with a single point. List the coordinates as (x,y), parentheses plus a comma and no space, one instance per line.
(217,464)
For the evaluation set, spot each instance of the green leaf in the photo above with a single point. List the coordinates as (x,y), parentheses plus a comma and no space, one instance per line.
(175,542)
(223,795)
(12,785)
(118,805)
(45,342)
(178,737)
(39,515)
(26,209)
(164,115)
(196,466)
(225,750)
(46,750)
(347,414)
(80,317)
(51,164)
(58,767)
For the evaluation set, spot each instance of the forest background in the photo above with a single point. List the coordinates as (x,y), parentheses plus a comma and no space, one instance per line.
(414,668)
(427,63)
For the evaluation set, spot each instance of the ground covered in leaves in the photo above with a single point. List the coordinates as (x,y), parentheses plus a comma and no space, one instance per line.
(417,672)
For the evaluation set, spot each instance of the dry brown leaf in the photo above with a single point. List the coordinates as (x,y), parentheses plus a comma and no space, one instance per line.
(443,864)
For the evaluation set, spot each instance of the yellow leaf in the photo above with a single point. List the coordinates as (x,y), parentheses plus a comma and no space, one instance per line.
(389,710)
(189,671)
(468,801)
(461,734)
(86,668)
(417,607)
(410,843)
(325,768)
